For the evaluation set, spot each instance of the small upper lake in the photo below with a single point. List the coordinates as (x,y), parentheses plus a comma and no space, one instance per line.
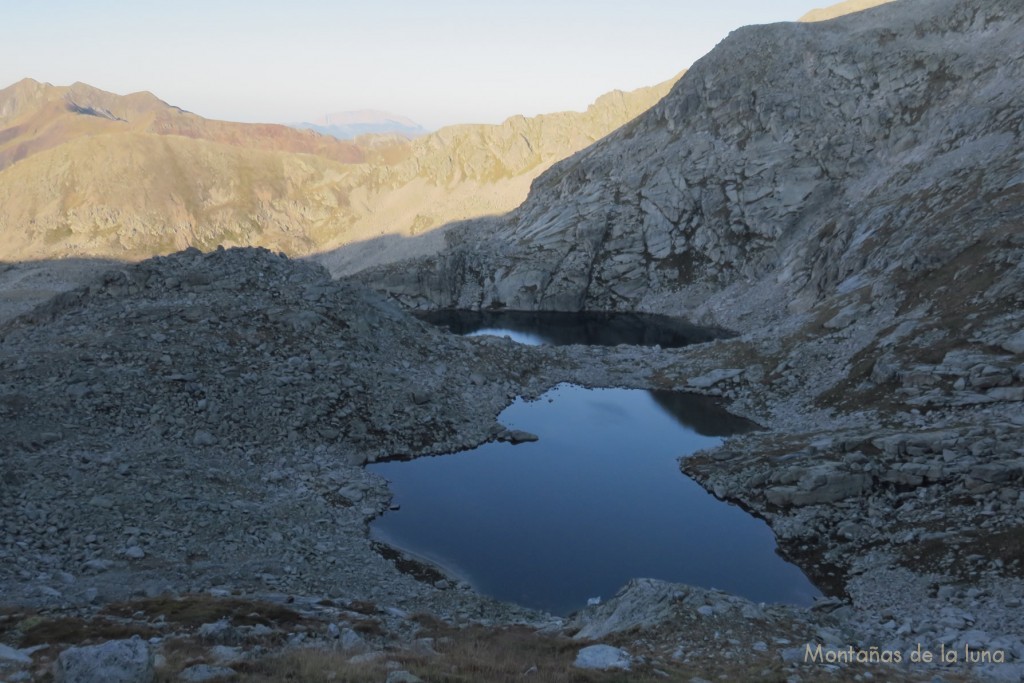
(597,500)
(584,327)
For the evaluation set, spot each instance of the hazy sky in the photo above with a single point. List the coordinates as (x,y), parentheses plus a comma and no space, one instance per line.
(441,62)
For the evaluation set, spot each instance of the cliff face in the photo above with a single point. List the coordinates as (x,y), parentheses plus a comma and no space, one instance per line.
(464,172)
(868,155)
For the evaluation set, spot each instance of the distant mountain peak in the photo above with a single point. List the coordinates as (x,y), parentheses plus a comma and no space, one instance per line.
(346,125)
(365,116)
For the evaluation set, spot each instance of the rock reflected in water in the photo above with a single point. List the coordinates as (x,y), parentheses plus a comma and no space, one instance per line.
(597,500)
(585,327)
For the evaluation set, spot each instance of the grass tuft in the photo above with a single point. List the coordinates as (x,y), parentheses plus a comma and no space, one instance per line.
(196,610)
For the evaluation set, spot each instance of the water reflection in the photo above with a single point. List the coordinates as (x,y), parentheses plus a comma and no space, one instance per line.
(599,499)
(701,414)
(585,327)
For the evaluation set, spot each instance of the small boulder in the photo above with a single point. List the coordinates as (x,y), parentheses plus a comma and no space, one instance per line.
(350,641)
(221,632)
(1015,343)
(116,661)
(201,673)
(204,438)
(516,436)
(134,552)
(885,370)
(714,377)
(9,654)
(603,658)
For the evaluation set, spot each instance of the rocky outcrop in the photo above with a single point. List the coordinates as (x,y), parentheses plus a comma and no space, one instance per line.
(694,626)
(794,163)
(646,604)
(603,658)
(116,661)
(186,303)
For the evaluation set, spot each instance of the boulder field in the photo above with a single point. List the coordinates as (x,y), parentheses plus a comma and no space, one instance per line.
(184,437)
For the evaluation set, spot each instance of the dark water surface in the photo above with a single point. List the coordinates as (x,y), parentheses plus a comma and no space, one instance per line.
(585,327)
(598,500)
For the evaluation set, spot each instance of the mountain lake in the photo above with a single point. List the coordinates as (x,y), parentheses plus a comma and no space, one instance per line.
(597,500)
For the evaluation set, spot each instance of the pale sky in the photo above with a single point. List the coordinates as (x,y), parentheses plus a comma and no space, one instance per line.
(441,62)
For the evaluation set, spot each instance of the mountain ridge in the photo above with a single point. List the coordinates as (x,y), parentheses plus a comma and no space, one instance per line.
(251,184)
(346,125)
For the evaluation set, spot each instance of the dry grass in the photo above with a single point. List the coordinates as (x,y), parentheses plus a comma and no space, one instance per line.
(181,653)
(196,610)
(75,631)
(464,656)
(311,665)
(949,556)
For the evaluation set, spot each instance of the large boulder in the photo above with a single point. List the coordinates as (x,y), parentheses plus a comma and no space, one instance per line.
(116,661)
(1015,343)
(603,658)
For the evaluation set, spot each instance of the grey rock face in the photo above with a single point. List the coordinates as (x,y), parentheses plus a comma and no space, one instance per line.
(351,641)
(822,484)
(792,163)
(649,604)
(116,661)
(642,603)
